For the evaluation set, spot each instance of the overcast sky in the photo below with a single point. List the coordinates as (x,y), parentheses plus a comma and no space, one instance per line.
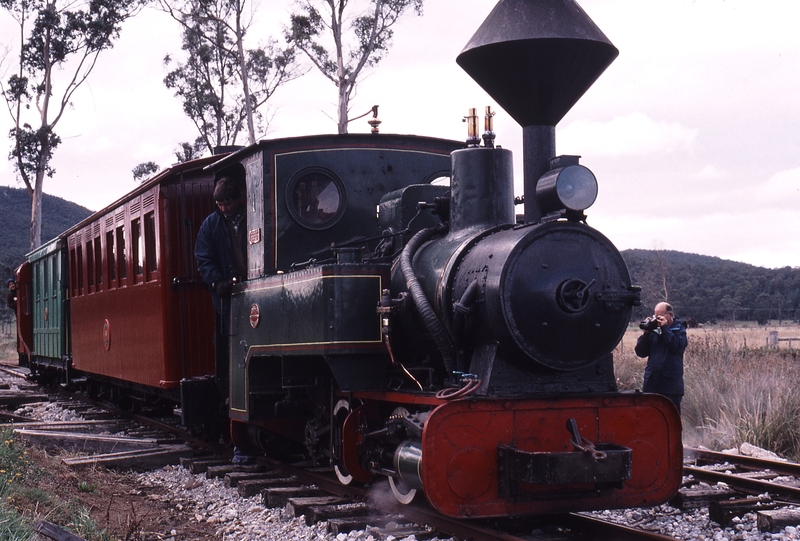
(693,132)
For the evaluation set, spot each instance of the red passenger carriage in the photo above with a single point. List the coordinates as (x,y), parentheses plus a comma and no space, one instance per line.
(140,313)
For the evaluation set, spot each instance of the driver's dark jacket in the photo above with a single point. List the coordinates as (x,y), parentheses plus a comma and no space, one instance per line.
(214,254)
(664,371)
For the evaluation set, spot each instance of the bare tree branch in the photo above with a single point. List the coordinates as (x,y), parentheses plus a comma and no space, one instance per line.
(51,35)
(222,83)
(360,43)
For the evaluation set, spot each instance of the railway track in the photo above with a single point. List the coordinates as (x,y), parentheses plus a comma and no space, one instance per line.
(731,486)
(391,518)
(573,526)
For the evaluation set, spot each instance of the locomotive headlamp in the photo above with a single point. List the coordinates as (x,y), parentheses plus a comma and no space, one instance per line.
(573,188)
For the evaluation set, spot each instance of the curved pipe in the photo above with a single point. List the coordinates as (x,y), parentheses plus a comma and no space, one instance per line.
(432,322)
(461,310)
(452,393)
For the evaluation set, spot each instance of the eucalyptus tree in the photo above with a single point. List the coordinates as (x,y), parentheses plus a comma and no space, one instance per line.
(340,49)
(59,44)
(223,84)
(144,170)
(183,153)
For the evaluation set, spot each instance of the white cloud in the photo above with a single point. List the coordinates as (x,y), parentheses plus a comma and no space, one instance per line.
(102,144)
(782,190)
(710,172)
(776,198)
(760,238)
(633,134)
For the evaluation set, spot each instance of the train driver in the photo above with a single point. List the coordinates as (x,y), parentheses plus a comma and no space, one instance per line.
(220,252)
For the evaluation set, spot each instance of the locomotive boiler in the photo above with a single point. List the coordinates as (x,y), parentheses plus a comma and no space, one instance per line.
(446,344)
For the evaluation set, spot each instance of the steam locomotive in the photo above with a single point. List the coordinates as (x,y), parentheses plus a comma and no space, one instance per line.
(445,344)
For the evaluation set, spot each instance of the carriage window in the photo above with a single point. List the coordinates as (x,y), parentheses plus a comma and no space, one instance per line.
(121,261)
(79,264)
(150,242)
(37,283)
(45,279)
(137,247)
(73,274)
(56,270)
(98,260)
(316,198)
(112,262)
(90,263)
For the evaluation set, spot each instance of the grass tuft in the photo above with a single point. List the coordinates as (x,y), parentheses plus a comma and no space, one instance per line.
(82,524)
(83,486)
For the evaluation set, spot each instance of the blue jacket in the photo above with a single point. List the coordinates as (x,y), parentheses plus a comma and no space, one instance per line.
(213,251)
(664,371)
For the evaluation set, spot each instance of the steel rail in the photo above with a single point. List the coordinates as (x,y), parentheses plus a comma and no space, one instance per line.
(13,370)
(414,513)
(212,447)
(785,468)
(595,528)
(460,528)
(586,527)
(733,480)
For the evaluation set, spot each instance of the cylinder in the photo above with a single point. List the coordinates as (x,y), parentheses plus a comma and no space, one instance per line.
(408,463)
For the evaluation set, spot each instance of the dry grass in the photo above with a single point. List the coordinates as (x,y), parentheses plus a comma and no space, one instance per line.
(8,347)
(737,389)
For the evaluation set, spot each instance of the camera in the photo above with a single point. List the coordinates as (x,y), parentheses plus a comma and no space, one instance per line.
(649,323)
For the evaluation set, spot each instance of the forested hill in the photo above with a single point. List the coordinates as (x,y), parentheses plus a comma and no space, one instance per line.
(709,289)
(58,215)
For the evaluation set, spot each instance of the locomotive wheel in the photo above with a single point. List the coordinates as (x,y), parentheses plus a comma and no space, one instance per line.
(340,412)
(402,493)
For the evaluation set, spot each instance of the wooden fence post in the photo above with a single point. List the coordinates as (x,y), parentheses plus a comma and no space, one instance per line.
(772,339)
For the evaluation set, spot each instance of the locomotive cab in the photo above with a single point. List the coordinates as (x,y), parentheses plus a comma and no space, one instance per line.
(318,262)
(306,194)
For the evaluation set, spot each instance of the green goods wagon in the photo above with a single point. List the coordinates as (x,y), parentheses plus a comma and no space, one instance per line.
(49,300)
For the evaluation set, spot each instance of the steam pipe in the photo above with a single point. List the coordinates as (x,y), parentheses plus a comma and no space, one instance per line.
(424,307)
(461,310)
